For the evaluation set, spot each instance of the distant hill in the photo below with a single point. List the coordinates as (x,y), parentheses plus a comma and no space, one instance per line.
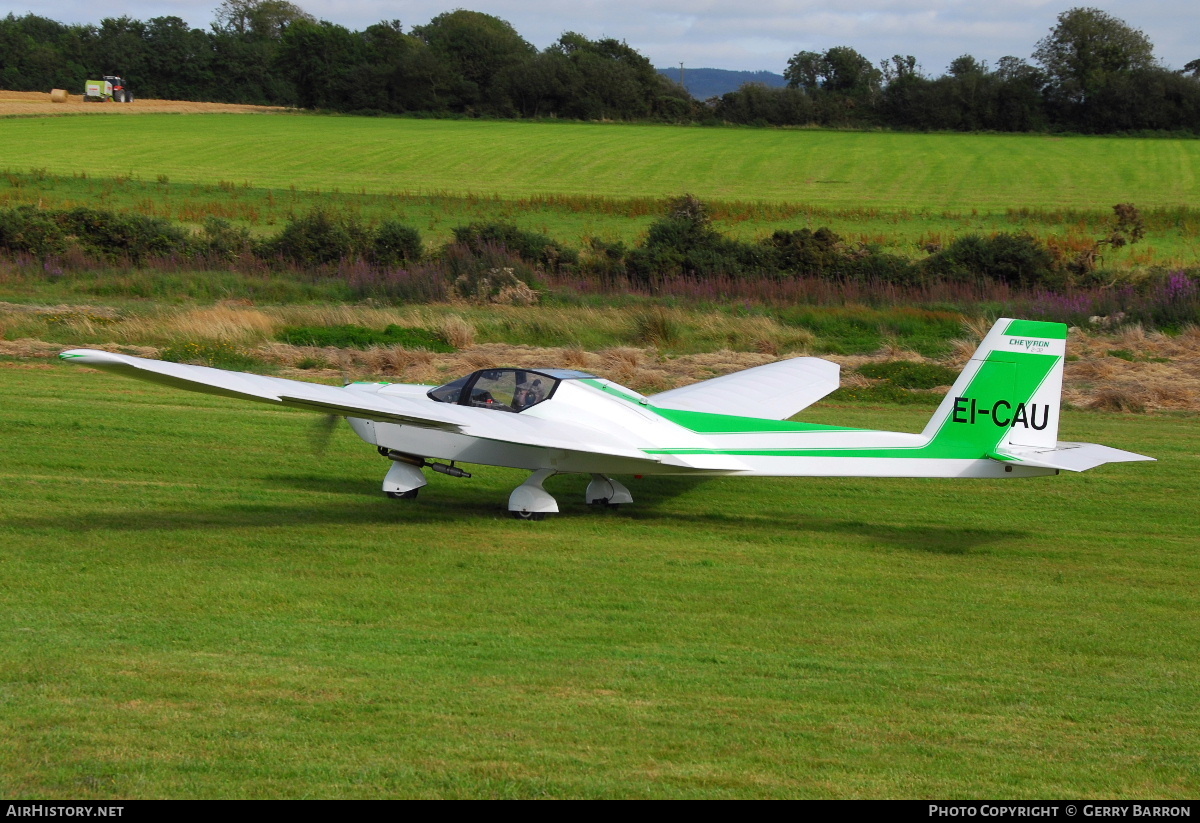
(706,83)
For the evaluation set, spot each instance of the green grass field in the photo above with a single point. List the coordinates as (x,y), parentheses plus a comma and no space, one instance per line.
(198,607)
(513,159)
(575,180)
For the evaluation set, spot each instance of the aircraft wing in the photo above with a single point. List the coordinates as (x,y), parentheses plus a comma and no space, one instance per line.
(775,391)
(276,390)
(346,402)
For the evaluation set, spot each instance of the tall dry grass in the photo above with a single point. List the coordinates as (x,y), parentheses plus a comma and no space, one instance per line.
(646,351)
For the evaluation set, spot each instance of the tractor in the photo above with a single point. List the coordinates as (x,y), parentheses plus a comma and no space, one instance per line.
(110,89)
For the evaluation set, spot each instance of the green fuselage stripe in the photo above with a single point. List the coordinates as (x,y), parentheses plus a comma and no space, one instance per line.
(996,399)
(706,423)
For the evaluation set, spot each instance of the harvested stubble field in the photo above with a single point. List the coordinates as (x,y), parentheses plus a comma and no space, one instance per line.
(38,104)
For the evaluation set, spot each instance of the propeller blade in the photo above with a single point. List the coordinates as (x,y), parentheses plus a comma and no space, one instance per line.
(321,433)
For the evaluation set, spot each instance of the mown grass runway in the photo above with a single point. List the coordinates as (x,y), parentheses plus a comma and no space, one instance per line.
(514,159)
(195,606)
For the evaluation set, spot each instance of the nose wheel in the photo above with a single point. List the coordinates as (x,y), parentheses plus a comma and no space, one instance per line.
(604,491)
(403,481)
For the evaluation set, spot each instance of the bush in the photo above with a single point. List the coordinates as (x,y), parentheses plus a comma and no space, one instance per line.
(360,337)
(28,230)
(805,251)
(481,273)
(115,235)
(221,239)
(531,247)
(684,243)
(1014,259)
(317,239)
(393,243)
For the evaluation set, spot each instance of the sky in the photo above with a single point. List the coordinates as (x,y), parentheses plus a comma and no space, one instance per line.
(754,36)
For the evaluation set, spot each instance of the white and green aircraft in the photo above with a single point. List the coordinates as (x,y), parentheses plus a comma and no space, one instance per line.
(999,420)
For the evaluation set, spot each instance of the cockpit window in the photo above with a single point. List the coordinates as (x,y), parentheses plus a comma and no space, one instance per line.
(451,392)
(511,390)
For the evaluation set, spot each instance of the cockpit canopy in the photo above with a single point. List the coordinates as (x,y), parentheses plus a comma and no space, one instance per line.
(511,390)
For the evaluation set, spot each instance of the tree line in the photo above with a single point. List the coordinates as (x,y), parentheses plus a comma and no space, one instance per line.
(272,52)
(1092,73)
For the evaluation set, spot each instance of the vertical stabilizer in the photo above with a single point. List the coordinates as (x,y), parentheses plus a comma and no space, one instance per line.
(1009,393)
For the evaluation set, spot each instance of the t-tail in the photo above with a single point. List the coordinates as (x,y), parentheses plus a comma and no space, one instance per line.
(1006,403)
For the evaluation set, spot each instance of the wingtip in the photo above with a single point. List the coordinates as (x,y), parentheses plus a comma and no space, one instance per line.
(86,356)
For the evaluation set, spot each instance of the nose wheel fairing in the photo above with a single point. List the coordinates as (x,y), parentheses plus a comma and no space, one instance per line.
(603,490)
(403,480)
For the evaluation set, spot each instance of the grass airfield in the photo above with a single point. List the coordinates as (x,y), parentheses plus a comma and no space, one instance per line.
(197,606)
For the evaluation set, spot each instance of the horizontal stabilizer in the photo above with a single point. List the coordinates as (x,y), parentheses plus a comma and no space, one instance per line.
(1072,457)
(775,391)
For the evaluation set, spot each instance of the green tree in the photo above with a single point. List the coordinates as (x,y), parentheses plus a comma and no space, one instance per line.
(320,58)
(1085,47)
(843,84)
(477,49)
(805,70)
(178,61)
(260,19)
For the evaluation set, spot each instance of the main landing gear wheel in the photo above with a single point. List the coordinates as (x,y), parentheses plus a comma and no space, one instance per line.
(529,501)
(528,515)
(411,494)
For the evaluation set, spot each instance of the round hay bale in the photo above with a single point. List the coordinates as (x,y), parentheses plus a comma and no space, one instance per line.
(59,96)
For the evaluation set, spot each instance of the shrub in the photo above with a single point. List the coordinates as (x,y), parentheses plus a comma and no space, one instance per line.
(221,239)
(481,273)
(394,243)
(26,229)
(684,243)
(1013,259)
(805,251)
(114,235)
(317,238)
(531,247)
(350,336)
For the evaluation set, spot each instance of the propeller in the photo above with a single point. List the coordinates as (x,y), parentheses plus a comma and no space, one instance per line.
(322,432)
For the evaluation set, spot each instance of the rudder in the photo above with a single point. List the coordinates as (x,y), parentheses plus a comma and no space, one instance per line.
(1008,394)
